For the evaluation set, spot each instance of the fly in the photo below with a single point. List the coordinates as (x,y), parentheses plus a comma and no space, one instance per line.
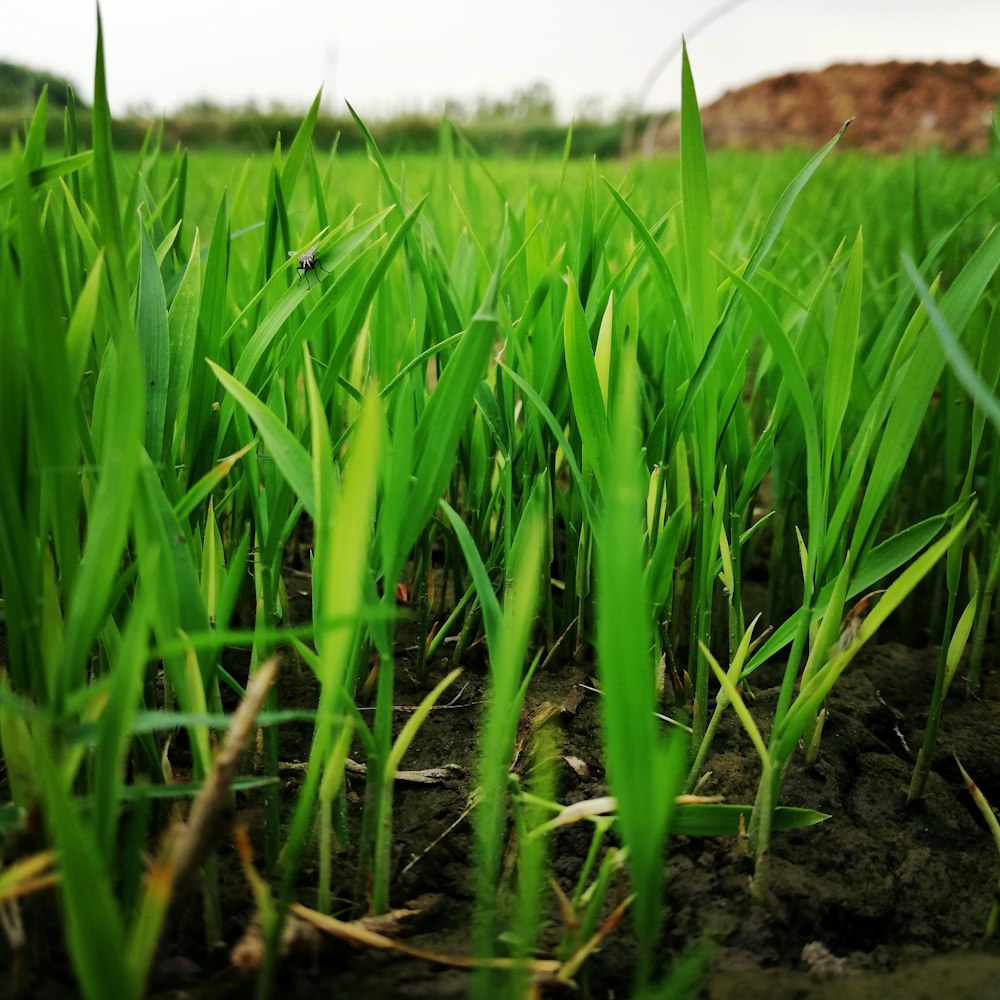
(308,261)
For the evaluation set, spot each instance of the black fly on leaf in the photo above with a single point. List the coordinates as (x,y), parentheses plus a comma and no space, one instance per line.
(308,261)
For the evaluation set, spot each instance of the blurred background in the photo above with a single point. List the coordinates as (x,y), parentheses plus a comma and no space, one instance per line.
(514,77)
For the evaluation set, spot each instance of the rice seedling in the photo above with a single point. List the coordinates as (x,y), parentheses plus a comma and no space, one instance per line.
(990,816)
(531,422)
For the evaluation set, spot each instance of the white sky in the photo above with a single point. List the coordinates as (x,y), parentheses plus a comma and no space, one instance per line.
(392,55)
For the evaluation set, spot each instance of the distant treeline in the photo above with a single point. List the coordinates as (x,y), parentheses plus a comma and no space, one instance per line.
(251,130)
(523,125)
(20,87)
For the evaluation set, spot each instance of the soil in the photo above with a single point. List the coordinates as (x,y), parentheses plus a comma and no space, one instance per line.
(877,901)
(897,107)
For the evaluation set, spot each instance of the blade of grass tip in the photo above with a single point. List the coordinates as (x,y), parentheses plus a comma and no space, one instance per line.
(106,201)
(696,214)
(275,219)
(585,386)
(739,706)
(963,368)
(661,269)
(175,209)
(81,325)
(989,815)
(71,134)
(722,702)
(301,145)
(182,322)
(153,335)
(211,324)
(435,289)
(492,615)
(213,565)
(587,250)
(204,487)
(34,142)
(983,805)
(777,218)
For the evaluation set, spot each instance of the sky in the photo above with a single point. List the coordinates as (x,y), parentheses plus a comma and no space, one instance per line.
(390,56)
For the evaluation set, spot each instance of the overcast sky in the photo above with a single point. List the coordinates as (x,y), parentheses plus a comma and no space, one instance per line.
(393,55)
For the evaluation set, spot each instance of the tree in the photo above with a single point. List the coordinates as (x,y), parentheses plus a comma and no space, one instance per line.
(20,87)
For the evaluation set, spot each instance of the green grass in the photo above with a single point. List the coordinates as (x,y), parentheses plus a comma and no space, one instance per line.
(576,381)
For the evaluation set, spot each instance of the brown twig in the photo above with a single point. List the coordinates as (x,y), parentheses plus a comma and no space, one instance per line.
(207,820)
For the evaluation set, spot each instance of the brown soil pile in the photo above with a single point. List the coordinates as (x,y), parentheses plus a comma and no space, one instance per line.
(897,107)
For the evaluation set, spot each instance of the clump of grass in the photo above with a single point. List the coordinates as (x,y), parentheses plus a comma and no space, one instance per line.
(557,399)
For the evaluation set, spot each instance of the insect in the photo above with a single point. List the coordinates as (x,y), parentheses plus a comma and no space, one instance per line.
(308,262)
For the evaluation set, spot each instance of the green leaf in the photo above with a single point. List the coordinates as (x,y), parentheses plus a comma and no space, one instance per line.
(182,322)
(697,215)
(581,370)
(94,924)
(34,145)
(154,345)
(106,202)
(638,758)
(289,455)
(443,421)
(119,447)
(492,615)
(81,324)
(664,276)
(301,144)
(922,374)
(787,734)
(776,220)
(843,350)
(51,171)
(795,379)
(722,820)
(963,368)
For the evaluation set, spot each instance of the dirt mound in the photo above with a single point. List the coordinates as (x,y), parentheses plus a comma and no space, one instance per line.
(897,107)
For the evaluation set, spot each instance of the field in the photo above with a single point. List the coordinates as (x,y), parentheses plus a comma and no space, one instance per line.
(456,575)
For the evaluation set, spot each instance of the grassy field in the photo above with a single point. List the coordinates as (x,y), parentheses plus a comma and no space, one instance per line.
(552,407)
